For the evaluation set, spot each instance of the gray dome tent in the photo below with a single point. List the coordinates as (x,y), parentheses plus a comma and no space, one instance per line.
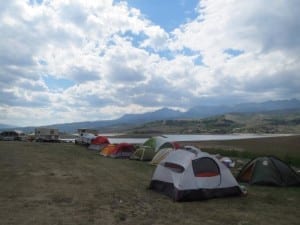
(187,175)
(268,170)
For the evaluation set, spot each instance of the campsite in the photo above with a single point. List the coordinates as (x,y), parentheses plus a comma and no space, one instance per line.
(64,183)
(177,112)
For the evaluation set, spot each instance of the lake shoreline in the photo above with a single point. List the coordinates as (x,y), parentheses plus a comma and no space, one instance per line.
(148,135)
(193,137)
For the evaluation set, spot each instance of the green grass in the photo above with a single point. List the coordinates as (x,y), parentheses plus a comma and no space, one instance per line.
(286,148)
(44,183)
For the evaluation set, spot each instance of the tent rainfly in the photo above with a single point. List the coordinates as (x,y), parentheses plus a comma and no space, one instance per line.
(106,151)
(147,151)
(268,170)
(122,150)
(159,156)
(98,143)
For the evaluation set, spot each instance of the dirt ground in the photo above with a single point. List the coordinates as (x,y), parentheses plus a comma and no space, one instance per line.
(66,184)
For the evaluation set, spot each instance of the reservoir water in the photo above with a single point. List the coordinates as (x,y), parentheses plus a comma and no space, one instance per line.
(196,137)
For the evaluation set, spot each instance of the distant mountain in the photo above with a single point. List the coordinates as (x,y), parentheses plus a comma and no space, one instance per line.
(161,114)
(268,106)
(130,120)
(206,111)
(121,124)
(278,121)
(6,126)
(72,127)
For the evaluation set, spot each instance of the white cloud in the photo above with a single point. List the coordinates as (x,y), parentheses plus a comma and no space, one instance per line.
(264,31)
(115,57)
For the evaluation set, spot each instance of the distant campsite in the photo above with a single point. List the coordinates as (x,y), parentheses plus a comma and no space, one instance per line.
(174,159)
(127,181)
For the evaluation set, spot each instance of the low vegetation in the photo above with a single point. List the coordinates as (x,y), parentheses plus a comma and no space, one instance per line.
(284,147)
(267,122)
(63,183)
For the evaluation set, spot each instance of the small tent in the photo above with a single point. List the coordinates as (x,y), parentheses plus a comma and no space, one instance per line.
(188,175)
(106,151)
(268,171)
(163,153)
(122,150)
(150,147)
(98,143)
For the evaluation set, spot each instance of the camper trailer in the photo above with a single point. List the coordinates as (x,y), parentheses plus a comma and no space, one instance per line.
(43,134)
(12,135)
(85,136)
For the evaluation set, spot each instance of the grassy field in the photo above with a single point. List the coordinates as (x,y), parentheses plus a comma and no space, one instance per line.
(286,148)
(65,184)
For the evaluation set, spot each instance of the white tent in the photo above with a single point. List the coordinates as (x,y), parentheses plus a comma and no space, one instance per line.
(192,149)
(193,175)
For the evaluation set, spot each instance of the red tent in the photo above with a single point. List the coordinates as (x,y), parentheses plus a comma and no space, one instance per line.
(98,143)
(100,140)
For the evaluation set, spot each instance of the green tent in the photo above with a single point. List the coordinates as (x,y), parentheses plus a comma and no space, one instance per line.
(268,171)
(147,151)
(160,155)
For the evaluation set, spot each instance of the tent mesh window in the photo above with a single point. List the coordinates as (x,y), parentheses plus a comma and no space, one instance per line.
(166,145)
(174,167)
(127,149)
(205,167)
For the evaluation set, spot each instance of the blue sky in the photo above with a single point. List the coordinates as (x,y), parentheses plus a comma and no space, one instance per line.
(66,61)
(57,84)
(168,14)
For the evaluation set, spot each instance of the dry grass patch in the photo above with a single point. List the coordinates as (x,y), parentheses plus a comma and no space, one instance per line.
(44,183)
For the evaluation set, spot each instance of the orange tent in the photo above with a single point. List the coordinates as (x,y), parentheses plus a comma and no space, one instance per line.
(122,150)
(107,150)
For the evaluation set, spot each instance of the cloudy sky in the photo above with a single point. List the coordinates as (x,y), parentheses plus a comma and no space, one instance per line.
(64,61)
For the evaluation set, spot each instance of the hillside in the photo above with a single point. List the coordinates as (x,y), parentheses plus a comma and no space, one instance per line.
(201,111)
(6,126)
(220,119)
(287,121)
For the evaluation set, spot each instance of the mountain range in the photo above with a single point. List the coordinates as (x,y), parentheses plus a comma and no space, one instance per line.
(6,126)
(197,112)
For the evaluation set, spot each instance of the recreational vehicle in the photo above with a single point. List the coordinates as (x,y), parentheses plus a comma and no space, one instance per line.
(46,134)
(85,136)
(12,135)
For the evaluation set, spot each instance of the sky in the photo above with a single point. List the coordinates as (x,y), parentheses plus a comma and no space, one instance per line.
(65,61)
